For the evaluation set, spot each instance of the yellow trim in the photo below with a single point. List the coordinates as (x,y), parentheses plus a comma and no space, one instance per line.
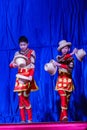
(63,94)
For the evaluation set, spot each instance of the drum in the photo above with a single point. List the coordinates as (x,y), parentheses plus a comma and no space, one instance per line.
(80,54)
(20,60)
(50,68)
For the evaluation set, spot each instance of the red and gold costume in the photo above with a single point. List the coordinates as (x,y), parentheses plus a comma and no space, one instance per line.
(64,84)
(23,86)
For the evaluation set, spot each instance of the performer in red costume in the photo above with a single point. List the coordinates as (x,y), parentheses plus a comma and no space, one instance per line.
(24,79)
(64,84)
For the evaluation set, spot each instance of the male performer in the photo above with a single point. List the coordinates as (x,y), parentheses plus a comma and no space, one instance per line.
(24,81)
(64,85)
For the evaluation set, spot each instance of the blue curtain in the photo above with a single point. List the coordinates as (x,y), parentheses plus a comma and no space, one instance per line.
(45,23)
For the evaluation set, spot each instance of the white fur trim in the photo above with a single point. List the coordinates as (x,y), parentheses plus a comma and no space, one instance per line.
(32,59)
(28,107)
(29,121)
(65,117)
(19,94)
(33,53)
(24,77)
(21,107)
(26,95)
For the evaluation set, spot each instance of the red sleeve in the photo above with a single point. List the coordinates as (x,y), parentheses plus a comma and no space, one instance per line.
(11,65)
(31,72)
(64,66)
(67,56)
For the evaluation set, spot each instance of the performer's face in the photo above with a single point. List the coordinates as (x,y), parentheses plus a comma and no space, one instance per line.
(23,46)
(65,50)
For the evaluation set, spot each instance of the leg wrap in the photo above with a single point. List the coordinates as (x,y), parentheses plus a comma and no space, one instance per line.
(28,108)
(21,106)
(22,114)
(29,113)
(64,107)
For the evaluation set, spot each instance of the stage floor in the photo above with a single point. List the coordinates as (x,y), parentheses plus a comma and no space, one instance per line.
(46,126)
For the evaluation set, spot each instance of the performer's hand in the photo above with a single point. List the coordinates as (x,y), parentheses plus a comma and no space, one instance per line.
(56,64)
(15,65)
(74,51)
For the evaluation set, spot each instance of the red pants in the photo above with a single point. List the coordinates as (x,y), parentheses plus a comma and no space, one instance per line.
(24,106)
(64,97)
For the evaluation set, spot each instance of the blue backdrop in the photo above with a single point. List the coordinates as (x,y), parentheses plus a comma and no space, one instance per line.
(45,23)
